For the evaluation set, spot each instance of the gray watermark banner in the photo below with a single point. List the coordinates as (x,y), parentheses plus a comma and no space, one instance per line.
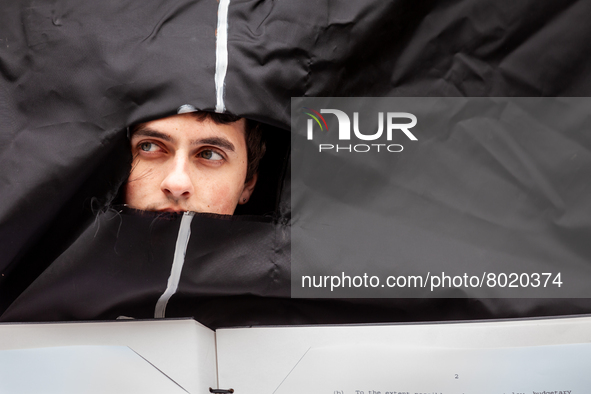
(441,197)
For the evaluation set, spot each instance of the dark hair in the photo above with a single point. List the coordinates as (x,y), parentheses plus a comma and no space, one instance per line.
(255,144)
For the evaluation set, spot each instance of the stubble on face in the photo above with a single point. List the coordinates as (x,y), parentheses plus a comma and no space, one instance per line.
(218,184)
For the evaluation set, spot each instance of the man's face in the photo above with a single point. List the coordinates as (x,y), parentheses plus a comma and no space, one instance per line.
(185,164)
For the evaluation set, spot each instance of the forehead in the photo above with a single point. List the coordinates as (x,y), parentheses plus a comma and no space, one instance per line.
(189,126)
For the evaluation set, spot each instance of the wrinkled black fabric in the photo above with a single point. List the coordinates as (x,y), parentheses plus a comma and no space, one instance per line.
(74,74)
(120,266)
(493,185)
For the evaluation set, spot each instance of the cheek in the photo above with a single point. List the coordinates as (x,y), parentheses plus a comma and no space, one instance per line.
(227,198)
(131,193)
(222,198)
(137,184)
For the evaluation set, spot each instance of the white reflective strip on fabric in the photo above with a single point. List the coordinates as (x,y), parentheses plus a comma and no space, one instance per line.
(178,261)
(221,54)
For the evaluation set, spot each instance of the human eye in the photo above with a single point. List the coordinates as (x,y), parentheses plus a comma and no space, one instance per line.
(209,154)
(147,146)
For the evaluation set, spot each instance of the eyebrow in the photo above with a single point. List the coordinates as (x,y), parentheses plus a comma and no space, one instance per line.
(215,141)
(147,132)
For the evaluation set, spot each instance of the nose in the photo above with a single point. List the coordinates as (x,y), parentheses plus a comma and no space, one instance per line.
(177,182)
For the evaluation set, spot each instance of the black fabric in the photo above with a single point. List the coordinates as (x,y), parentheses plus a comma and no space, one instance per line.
(74,74)
(120,265)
